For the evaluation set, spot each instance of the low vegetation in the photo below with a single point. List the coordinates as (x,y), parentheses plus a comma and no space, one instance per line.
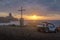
(25,33)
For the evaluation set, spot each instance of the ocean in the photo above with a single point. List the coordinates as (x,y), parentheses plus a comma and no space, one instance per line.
(55,22)
(26,22)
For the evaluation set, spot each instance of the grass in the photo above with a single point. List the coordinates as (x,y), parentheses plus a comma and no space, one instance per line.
(25,33)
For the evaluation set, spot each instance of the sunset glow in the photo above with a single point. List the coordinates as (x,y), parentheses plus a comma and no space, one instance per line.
(34,9)
(31,17)
(34,17)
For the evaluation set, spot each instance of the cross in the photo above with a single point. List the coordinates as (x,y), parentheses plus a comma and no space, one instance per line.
(21,12)
(21,19)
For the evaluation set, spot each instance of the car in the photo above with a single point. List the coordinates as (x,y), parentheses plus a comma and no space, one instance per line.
(46,27)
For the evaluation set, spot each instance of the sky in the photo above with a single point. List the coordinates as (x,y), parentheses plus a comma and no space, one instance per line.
(45,9)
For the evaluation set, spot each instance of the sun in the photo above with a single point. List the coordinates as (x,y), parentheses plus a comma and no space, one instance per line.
(34,17)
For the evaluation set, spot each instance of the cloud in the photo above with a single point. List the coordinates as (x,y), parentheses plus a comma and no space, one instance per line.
(40,7)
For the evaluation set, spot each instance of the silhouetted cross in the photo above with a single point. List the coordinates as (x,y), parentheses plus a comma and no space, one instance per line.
(21,12)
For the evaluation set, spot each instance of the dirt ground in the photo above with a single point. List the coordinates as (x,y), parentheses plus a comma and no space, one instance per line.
(26,33)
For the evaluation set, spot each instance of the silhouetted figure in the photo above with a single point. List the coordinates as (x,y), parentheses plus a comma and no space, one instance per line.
(10,17)
(10,14)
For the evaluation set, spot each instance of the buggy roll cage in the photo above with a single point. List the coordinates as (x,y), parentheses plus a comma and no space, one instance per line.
(48,24)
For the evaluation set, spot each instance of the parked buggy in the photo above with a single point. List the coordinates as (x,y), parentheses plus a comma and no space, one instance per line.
(46,27)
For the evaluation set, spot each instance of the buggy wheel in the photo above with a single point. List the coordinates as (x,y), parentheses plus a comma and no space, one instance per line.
(55,31)
(46,31)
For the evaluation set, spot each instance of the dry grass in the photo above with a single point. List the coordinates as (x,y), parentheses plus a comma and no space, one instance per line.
(26,33)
